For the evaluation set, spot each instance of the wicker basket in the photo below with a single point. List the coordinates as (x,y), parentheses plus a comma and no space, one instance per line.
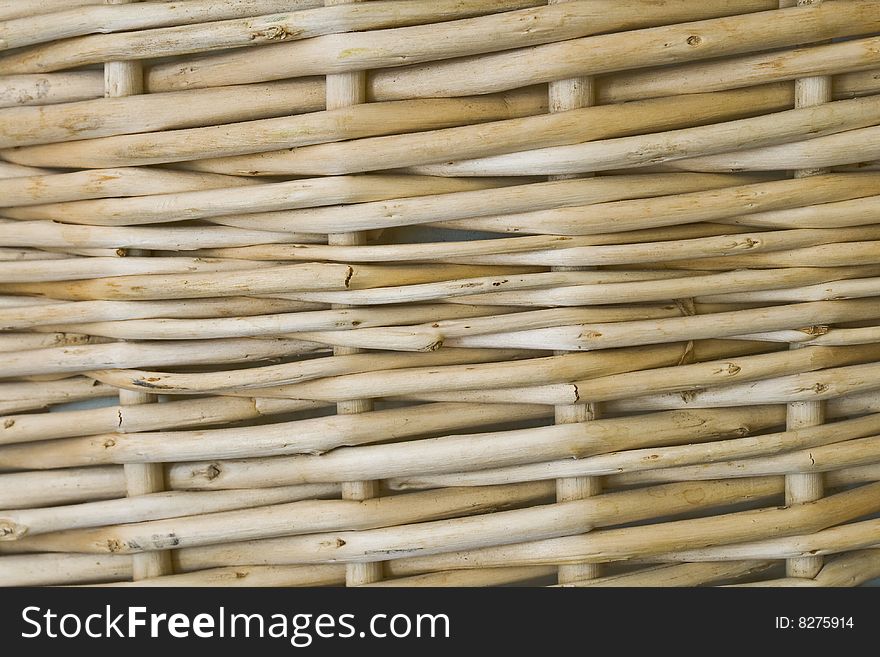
(440,292)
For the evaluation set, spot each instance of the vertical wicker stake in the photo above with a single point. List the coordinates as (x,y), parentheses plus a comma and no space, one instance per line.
(567,95)
(126,79)
(806,487)
(343,90)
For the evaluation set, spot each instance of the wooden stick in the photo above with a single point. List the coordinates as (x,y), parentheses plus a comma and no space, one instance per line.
(661,538)
(108,183)
(253,136)
(77,18)
(768,130)
(250,576)
(495,138)
(142,354)
(852,536)
(28,312)
(847,58)
(49,569)
(459,453)
(15,525)
(470,578)
(210,34)
(315,192)
(48,234)
(848,147)
(21,396)
(547,521)
(175,415)
(287,519)
(680,575)
(67,87)
(676,463)
(382,48)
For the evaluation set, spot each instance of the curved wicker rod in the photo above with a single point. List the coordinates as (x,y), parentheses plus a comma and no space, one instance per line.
(72,19)
(680,575)
(199,285)
(605,54)
(18,341)
(807,386)
(10,170)
(283,279)
(359,318)
(474,452)
(292,130)
(821,336)
(845,477)
(827,384)
(37,488)
(851,569)
(476,248)
(258,576)
(598,205)
(70,269)
(76,269)
(10,9)
(252,576)
(606,382)
(289,374)
(12,302)
(68,567)
(648,246)
(313,436)
(849,147)
(572,57)
(852,289)
(696,327)
(396,373)
(562,288)
(648,541)
(15,525)
(47,234)
(50,570)
(51,311)
(471,578)
(840,59)
(27,490)
(140,354)
(537,523)
(179,414)
(845,60)
(314,192)
(664,463)
(163,111)
(107,183)
(768,130)
(396,150)
(51,89)
(849,255)
(818,459)
(289,519)
(26,254)
(838,214)
(726,243)
(852,536)
(330,40)
(21,396)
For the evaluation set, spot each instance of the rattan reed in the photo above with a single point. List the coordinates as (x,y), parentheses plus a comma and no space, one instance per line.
(439,293)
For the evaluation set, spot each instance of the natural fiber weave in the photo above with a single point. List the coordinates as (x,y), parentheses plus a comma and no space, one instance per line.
(448,292)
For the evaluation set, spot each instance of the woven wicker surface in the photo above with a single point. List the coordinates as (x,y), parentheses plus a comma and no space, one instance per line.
(419,293)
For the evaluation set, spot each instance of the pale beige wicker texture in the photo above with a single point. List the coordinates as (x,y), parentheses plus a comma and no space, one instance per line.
(439,293)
